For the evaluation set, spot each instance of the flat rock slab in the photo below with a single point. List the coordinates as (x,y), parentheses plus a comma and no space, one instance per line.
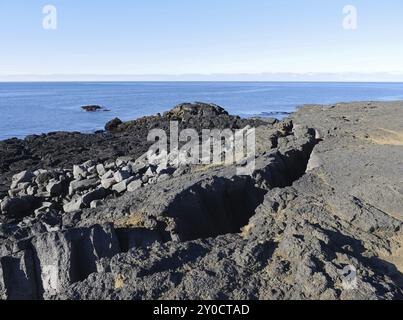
(362,150)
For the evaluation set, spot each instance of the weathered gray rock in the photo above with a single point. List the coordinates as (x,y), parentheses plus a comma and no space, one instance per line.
(42,194)
(151,171)
(314,162)
(123,161)
(108,183)
(107,175)
(110,165)
(92,171)
(96,194)
(121,175)
(74,205)
(68,257)
(44,207)
(19,206)
(100,169)
(120,187)
(88,164)
(134,185)
(113,125)
(55,188)
(139,167)
(79,172)
(17,276)
(18,190)
(31,190)
(42,178)
(208,233)
(23,185)
(81,185)
(24,176)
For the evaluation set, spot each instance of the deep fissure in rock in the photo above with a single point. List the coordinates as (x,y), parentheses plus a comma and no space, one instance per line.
(221,206)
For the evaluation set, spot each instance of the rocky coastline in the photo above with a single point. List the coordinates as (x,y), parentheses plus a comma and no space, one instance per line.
(84,216)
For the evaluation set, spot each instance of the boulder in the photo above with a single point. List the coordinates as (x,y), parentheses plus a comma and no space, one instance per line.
(73,205)
(122,161)
(108,175)
(23,185)
(39,171)
(100,169)
(79,172)
(17,276)
(55,188)
(18,207)
(31,190)
(71,256)
(139,167)
(24,176)
(42,194)
(45,206)
(43,178)
(20,189)
(88,164)
(122,186)
(110,165)
(96,194)
(314,162)
(151,171)
(107,183)
(81,185)
(145,179)
(134,185)
(113,125)
(197,109)
(92,171)
(121,175)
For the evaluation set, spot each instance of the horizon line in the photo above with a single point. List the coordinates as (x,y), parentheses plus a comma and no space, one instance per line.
(212,77)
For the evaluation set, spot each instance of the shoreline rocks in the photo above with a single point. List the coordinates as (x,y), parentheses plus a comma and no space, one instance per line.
(113,124)
(315,205)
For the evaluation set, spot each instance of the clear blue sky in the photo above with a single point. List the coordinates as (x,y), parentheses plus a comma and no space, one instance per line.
(192,36)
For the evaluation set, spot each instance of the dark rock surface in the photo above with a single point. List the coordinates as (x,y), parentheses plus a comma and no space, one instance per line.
(65,149)
(94,108)
(113,124)
(326,194)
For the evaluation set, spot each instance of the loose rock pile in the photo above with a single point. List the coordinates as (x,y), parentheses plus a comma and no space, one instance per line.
(85,185)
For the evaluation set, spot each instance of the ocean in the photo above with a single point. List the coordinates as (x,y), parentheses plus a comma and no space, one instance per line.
(35,108)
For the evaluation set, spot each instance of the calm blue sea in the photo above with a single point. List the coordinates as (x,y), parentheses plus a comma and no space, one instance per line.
(34,108)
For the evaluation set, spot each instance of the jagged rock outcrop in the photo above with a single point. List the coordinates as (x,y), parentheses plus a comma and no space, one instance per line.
(314,220)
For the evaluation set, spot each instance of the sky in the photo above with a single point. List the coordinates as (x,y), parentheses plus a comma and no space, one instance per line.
(190,37)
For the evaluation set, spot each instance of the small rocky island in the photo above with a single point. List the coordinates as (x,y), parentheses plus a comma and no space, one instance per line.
(83,216)
(94,108)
